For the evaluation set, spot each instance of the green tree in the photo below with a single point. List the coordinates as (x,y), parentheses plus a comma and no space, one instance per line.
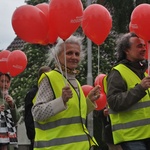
(35,2)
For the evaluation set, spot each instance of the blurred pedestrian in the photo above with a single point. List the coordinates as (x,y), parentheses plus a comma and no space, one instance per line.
(28,118)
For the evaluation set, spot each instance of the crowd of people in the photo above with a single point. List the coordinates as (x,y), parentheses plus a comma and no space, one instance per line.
(56,108)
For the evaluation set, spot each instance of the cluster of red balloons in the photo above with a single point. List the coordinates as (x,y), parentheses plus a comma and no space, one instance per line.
(140,22)
(99,80)
(44,23)
(12,62)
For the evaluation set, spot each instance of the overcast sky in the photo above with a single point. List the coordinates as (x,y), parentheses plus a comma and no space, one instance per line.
(7,35)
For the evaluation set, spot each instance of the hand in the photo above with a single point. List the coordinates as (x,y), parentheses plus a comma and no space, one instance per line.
(94,94)
(9,100)
(105,112)
(66,94)
(145,83)
(2,107)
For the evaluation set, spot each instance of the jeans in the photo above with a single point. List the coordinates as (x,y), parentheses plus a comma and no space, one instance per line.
(136,145)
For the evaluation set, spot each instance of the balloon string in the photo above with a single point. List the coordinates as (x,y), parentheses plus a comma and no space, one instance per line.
(98,57)
(148,58)
(58,64)
(65,60)
(3,93)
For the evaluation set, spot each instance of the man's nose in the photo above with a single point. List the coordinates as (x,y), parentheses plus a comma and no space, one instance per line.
(74,55)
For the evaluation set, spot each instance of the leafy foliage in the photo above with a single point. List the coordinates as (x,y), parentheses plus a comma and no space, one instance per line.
(35,2)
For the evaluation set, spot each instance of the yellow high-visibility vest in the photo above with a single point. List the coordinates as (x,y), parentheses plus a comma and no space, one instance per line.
(134,123)
(65,130)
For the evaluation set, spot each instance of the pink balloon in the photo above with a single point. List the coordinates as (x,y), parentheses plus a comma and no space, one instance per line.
(96,23)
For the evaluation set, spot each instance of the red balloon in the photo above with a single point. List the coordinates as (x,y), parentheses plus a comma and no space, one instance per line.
(140,22)
(30,24)
(17,62)
(96,23)
(51,34)
(86,89)
(44,7)
(66,16)
(3,60)
(100,80)
(133,28)
(101,102)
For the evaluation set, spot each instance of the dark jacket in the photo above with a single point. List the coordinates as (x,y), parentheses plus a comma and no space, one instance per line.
(117,88)
(107,132)
(28,118)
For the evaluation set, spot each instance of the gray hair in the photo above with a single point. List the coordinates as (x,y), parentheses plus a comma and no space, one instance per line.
(60,47)
(123,44)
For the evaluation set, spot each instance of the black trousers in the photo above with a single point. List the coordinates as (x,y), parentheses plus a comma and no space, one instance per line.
(31,145)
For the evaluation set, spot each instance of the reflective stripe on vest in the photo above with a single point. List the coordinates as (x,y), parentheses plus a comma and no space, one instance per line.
(134,123)
(67,128)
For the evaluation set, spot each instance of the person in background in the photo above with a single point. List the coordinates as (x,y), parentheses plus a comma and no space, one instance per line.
(128,88)
(28,118)
(98,130)
(61,108)
(107,131)
(9,114)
